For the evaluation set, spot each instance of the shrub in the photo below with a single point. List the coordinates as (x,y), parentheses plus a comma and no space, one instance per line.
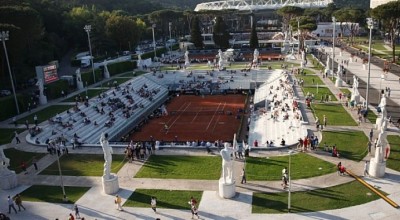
(121,67)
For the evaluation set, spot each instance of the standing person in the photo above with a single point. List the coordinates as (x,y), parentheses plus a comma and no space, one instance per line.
(18,202)
(325,121)
(15,121)
(76,209)
(153,203)
(193,207)
(369,147)
(371,134)
(71,217)
(23,167)
(17,140)
(11,205)
(34,162)
(35,119)
(366,166)
(118,202)
(243,175)
(27,124)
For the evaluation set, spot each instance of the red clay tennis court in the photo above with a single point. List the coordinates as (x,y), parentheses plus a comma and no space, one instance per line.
(190,117)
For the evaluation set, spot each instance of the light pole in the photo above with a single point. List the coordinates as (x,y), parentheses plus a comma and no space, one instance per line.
(290,181)
(298,33)
(170,36)
(88,28)
(61,177)
(333,45)
(370,23)
(154,40)
(3,38)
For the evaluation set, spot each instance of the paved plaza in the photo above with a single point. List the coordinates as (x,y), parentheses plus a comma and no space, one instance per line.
(96,205)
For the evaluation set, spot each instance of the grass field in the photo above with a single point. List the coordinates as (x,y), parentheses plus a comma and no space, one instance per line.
(181,167)
(169,199)
(17,157)
(302,166)
(45,113)
(337,197)
(84,165)
(310,79)
(319,92)
(53,194)
(350,144)
(394,158)
(335,113)
(7,135)
(90,93)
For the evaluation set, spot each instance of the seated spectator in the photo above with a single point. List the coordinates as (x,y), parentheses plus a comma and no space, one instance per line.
(37,141)
(283,142)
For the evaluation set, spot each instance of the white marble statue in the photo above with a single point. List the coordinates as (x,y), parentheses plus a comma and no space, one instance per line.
(381,143)
(40,86)
(382,105)
(256,56)
(187,61)
(227,164)
(221,59)
(355,95)
(107,155)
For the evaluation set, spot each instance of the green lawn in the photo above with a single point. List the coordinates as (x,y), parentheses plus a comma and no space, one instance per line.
(84,165)
(17,157)
(308,80)
(7,135)
(169,199)
(372,116)
(351,144)
(53,194)
(181,167)
(302,166)
(119,80)
(335,113)
(45,113)
(336,197)
(319,92)
(394,158)
(90,93)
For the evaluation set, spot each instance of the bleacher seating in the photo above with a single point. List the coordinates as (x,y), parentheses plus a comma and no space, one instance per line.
(151,94)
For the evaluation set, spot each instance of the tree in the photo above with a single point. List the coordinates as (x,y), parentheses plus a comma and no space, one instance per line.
(306,26)
(195,33)
(349,19)
(253,37)
(388,14)
(288,13)
(221,34)
(123,30)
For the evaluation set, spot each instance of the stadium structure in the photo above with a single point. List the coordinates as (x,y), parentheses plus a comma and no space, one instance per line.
(256,5)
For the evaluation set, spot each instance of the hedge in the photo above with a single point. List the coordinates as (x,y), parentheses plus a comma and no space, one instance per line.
(10,110)
(151,54)
(88,76)
(53,90)
(121,67)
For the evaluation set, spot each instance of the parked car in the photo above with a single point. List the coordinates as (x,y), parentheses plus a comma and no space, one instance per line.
(5,92)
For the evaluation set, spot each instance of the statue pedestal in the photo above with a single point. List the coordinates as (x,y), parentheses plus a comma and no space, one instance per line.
(79,85)
(42,100)
(339,82)
(8,180)
(226,190)
(340,53)
(110,186)
(377,169)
